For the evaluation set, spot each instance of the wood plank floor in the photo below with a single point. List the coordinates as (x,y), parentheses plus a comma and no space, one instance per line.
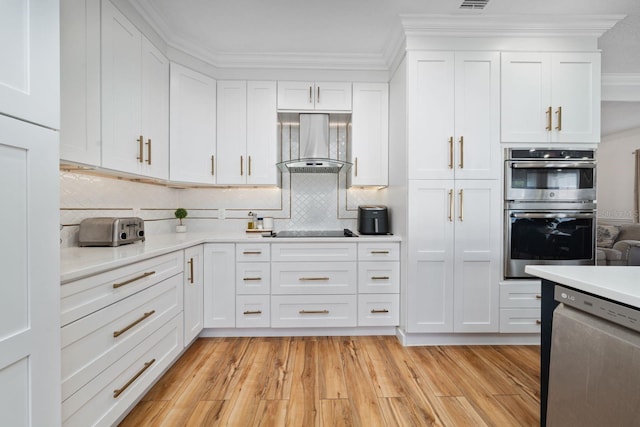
(343,381)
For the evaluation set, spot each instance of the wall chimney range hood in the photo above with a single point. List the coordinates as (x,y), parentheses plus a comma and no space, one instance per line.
(314,154)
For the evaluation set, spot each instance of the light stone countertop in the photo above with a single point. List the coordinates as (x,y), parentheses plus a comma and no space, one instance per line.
(77,262)
(621,284)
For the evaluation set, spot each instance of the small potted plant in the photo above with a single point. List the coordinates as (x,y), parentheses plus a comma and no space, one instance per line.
(180,213)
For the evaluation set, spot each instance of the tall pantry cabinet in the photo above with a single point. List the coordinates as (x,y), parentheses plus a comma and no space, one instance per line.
(454,202)
(29,248)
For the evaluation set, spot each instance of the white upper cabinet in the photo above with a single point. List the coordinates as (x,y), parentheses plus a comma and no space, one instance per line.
(454,115)
(135,85)
(325,96)
(29,72)
(247,133)
(370,135)
(193,126)
(551,97)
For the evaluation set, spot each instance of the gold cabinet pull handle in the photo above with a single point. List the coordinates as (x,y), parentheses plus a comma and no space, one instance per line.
(380,252)
(450,152)
(140,149)
(149,151)
(249,168)
(538,296)
(116,334)
(213,165)
(310,94)
(318,98)
(461,216)
(461,152)
(314,312)
(538,322)
(190,262)
(142,276)
(548,119)
(252,312)
(117,392)
(559,113)
(252,253)
(450,217)
(247,279)
(379,277)
(374,311)
(241,165)
(313,278)
(356,166)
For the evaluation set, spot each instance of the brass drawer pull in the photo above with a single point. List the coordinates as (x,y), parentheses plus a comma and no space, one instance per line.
(549,113)
(241,165)
(213,165)
(384,310)
(461,141)
(252,253)
(379,277)
(313,278)
(126,328)
(140,149)
(538,322)
(559,113)
(142,276)
(149,151)
(253,312)
(450,152)
(538,296)
(118,392)
(190,262)
(380,252)
(246,279)
(314,312)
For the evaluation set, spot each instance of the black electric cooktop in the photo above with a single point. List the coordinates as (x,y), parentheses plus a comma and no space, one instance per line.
(316,233)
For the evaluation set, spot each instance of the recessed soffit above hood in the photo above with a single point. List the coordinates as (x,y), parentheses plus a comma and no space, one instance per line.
(314,156)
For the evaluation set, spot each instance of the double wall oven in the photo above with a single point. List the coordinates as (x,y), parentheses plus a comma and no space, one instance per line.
(550,208)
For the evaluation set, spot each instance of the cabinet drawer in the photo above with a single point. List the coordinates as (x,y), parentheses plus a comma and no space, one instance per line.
(250,252)
(520,320)
(90,344)
(378,277)
(520,295)
(299,311)
(313,278)
(253,311)
(313,252)
(253,278)
(378,310)
(378,251)
(96,402)
(84,296)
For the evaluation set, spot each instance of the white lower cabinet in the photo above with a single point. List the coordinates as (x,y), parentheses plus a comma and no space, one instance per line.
(253,285)
(193,293)
(299,311)
(520,306)
(253,311)
(219,285)
(378,309)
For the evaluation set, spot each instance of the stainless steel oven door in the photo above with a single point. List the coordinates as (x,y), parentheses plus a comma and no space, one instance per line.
(550,237)
(551,180)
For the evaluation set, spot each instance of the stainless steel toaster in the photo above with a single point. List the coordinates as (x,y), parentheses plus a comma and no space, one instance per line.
(110,231)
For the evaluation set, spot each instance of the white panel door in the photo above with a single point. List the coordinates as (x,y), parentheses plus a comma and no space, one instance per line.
(262,143)
(193,292)
(370,134)
(193,126)
(219,285)
(477,115)
(295,95)
(478,225)
(431,115)
(30,66)
(232,132)
(122,149)
(332,96)
(431,256)
(526,97)
(155,111)
(575,88)
(30,291)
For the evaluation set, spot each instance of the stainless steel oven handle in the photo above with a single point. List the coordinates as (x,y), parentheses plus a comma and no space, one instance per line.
(554,215)
(554,165)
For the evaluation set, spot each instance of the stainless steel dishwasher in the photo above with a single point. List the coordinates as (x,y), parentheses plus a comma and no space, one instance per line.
(594,370)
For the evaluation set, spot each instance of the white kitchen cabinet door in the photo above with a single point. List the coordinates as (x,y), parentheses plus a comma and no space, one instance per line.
(295,96)
(431,122)
(478,225)
(232,132)
(30,70)
(430,256)
(193,126)
(370,135)
(322,96)
(219,285)
(155,111)
(262,142)
(333,96)
(80,82)
(30,292)
(193,292)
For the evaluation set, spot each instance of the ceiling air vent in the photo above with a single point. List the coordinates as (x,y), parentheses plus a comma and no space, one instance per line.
(473,4)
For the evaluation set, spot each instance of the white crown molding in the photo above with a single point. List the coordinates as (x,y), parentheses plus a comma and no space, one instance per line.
(621,87)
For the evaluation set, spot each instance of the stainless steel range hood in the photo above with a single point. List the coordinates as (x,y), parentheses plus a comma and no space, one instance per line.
(314,156)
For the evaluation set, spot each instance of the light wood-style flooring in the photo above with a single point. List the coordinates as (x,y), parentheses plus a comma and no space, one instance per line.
(343,381)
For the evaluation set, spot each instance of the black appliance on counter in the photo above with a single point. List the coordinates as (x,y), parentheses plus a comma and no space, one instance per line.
(373,219)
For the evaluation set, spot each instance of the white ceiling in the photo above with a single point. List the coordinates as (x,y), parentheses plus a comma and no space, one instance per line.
(223,31)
